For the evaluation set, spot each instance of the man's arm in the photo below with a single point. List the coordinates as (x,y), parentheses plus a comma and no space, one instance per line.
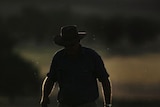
(46,90)
(107,94)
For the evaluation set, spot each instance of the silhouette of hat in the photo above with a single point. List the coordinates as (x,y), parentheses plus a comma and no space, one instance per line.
(69,35)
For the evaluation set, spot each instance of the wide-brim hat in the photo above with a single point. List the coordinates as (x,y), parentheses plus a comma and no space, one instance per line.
(69,35)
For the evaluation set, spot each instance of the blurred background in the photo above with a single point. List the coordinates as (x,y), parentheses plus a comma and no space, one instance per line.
(126,33)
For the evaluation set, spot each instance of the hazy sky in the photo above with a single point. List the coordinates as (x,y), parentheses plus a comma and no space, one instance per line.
(86,7)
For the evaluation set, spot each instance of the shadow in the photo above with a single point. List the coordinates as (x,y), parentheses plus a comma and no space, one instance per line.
(18,77)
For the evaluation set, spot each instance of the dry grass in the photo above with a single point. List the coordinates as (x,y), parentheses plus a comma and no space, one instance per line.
(132,76)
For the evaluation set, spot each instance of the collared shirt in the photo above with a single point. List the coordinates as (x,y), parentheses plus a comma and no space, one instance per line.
(77,76)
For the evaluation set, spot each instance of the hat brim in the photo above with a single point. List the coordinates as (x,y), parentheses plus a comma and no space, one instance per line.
(59,41)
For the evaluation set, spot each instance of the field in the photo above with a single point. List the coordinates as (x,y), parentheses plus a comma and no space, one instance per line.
(135,79)
(34,102)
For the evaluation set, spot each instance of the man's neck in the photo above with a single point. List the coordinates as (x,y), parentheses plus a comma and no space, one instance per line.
(75,50)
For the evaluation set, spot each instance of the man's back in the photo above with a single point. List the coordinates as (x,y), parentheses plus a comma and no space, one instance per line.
(76,76)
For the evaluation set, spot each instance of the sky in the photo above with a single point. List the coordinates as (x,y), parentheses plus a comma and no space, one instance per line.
(141,7)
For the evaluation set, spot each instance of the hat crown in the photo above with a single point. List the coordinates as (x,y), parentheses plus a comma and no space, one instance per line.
(69,35)
(69,32)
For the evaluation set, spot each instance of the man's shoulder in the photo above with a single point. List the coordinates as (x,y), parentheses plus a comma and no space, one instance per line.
(59,53)
(90,51)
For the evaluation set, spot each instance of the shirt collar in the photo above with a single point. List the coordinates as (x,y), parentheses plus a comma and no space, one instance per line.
(82,51)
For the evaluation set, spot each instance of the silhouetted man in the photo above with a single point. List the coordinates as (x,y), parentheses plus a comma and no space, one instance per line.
(76,70)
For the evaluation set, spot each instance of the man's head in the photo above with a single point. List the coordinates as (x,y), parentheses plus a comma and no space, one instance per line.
(69,36)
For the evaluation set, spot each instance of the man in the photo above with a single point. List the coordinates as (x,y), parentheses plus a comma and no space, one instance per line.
(76,70)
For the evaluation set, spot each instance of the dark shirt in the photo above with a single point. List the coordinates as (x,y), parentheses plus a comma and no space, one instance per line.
(77,75)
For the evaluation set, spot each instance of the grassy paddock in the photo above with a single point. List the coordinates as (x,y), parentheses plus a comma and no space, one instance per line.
(34,102)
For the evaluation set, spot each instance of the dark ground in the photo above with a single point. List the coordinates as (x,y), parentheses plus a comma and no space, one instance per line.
(34,102)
